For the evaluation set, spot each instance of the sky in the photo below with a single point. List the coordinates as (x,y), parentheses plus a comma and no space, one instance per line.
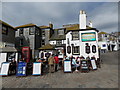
(104,15)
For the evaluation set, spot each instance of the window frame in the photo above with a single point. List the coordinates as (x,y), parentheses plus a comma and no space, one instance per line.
(5,32)
(73,50)
(77,35)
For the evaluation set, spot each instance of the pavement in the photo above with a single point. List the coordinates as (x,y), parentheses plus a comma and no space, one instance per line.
(104,77)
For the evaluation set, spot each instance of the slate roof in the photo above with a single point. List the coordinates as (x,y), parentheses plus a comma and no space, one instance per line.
(47,47)
(4,23)
(26,25)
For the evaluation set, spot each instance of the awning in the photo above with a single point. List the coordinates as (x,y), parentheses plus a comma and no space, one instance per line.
(8,49)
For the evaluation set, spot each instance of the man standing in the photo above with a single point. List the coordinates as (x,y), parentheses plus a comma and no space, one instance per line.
(56,62)
(51,62)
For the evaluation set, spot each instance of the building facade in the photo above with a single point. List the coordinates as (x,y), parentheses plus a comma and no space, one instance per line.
(29,35)
(82,40)
(8,52)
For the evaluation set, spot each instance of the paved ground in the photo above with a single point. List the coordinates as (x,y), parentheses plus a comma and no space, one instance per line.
(105,77)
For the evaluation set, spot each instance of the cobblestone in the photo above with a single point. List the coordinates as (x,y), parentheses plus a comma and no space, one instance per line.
(104,77)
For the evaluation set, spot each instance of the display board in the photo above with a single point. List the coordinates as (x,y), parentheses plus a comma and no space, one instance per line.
(37,68)
(21,69)
(67,66)
(93,63)
(4,69)
(84,65)
(88,36)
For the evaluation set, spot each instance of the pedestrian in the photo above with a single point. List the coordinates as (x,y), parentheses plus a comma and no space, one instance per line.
(51,62)
(56,62)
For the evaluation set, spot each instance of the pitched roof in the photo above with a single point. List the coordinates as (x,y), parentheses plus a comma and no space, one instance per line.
(4,23)
(57,37)
(44,27)
(47,47)
(102,33)
(26,25)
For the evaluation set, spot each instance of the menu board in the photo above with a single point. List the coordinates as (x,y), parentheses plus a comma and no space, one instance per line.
(36,68)
(21,69)
(93,64)
(67,66)
(84,65)
(88,36)
(4,68)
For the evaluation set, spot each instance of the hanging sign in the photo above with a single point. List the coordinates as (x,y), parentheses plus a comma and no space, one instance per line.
(37,68)
(4,69)
(67,66)
(21,69)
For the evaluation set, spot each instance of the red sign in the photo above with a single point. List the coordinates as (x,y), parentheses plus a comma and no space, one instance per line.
(26,54)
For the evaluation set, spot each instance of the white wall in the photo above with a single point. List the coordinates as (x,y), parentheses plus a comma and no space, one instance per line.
(82,44)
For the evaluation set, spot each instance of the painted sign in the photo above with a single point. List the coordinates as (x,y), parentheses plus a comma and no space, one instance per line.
(67,66)
(4,69)
(36,68)
(21,69)
(88,36)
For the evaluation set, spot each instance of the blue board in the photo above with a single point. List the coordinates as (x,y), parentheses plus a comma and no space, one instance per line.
(21,69)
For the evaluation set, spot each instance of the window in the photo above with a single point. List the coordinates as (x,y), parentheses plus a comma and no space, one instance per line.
(94,49)
(21,42)
(32,31)
(4,30)
(21,31)
(43,42)
(76,50)
(68,49)
(61,32)
(58,42)
(75,35)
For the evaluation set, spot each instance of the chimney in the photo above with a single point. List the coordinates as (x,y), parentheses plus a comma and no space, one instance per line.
(82,20)
(50,25)
(90,24)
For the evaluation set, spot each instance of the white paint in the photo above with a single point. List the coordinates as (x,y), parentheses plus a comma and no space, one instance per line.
(82,20)
(103,43)
(82,44)
(16,57)
(52,42)
(3,57)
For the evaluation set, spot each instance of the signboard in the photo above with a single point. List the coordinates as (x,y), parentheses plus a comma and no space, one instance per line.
(84,65)
(21,69)
(88,36)
(93,64)
(67,66)
(26,53)
(36,68)
(4,69)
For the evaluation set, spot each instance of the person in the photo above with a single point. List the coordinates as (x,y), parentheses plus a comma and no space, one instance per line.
(56,62)
(51,62)
(89,62)
(78,60)
(74,63)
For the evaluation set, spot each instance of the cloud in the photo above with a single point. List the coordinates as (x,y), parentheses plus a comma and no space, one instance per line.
(103,15)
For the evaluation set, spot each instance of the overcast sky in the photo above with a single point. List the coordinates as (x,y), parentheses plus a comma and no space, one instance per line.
(104,15)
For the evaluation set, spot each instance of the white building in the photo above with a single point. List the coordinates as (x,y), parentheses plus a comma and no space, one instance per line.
(82,40)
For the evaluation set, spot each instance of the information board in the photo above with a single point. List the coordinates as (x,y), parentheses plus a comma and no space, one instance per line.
(88,36)
(93,63)
(37,68)
(67,66)
(4,68)
(21,69)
